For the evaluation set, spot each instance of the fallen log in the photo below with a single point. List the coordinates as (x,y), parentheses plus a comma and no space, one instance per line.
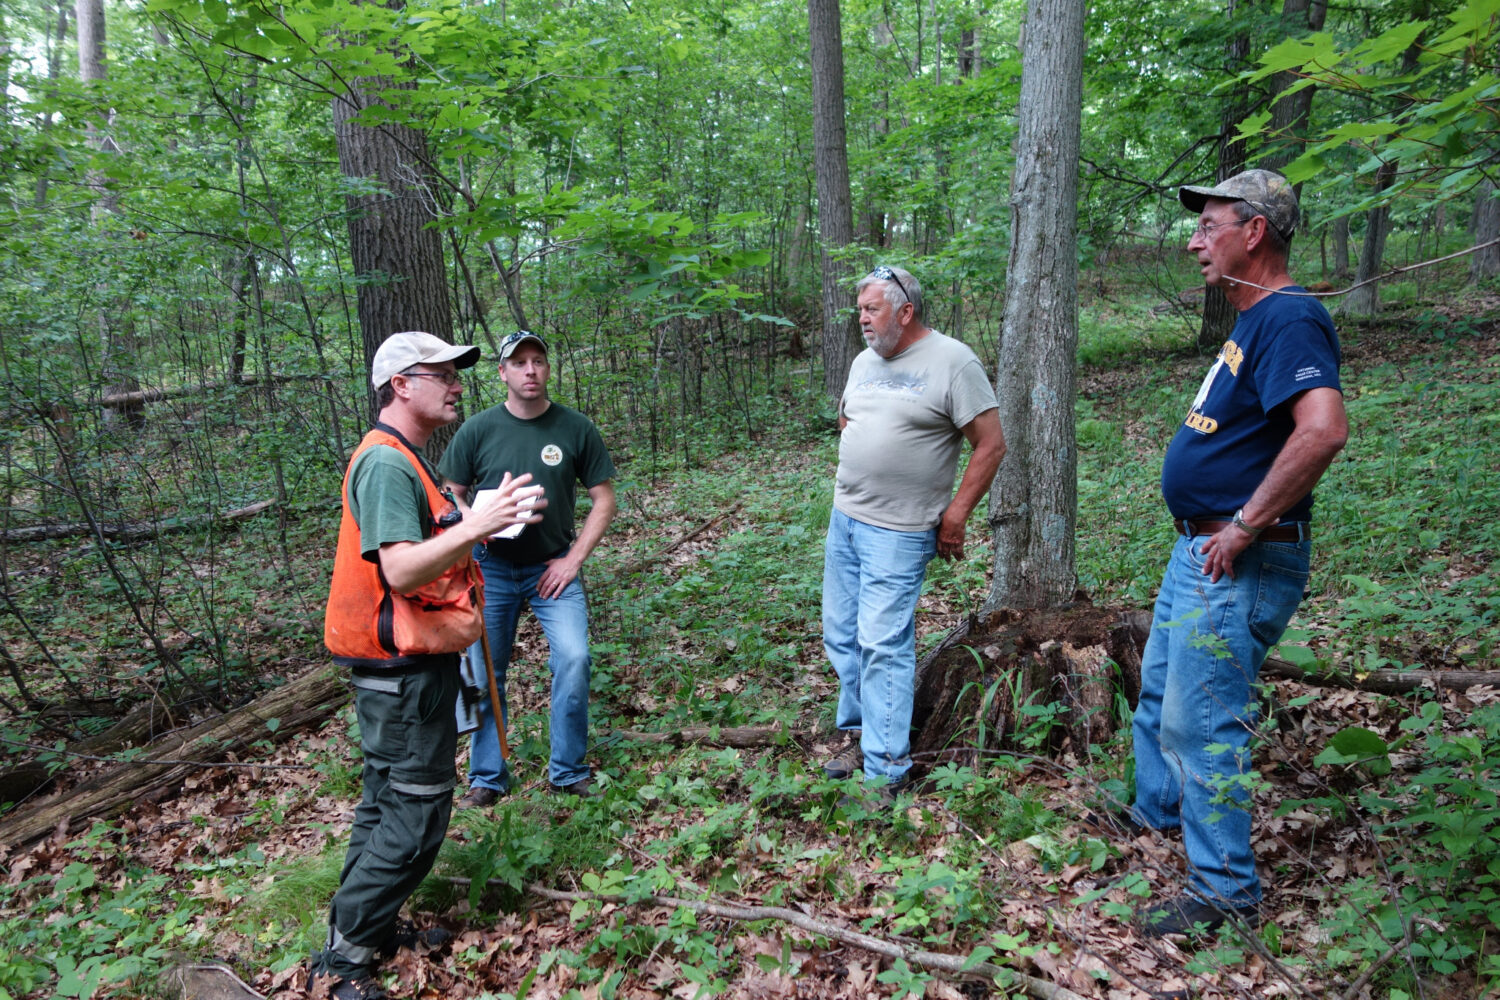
(138,726)
(722,737)
(300,702)
(128,532)
(139,397)
(1375,681)
(1380,681)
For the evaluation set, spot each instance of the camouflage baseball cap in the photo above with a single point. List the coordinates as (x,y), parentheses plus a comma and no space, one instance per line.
(1267,192)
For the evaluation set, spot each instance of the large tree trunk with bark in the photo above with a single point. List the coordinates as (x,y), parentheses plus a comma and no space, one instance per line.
(1289,112)
(1034,502)
(1365,299)
(841,340)
(1218,315)
(398,258)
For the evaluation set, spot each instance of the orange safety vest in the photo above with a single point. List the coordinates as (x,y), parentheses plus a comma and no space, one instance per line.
(374,629)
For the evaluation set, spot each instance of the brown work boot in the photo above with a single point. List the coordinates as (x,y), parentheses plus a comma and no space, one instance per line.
(848,759)
(478,797)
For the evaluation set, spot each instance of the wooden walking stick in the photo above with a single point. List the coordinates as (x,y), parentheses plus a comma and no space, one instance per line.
(489,673)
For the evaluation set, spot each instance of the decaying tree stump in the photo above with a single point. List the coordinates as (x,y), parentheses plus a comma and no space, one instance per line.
(990,683)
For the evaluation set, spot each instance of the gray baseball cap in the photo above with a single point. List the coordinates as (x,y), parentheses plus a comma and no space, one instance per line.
(509,344)
(1266,191)
(400,351)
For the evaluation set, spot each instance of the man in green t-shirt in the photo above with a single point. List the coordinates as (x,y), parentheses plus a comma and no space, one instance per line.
(401,608)
(560,448)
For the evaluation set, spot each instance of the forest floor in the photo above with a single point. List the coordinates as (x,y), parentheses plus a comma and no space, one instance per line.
(991,862)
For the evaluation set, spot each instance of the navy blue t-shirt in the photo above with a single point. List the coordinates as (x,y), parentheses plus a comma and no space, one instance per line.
(1237,425)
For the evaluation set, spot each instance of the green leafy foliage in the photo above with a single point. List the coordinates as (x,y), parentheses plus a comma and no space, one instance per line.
(99,934)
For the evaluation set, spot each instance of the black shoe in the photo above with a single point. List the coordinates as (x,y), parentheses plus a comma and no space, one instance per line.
(1115,821)
(1191,915)
(478,797)
(848,759)
(584,788)
(406,935)
(363,987)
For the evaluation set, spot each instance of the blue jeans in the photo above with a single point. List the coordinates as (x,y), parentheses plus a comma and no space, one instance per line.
(1198,675)
(871,580)
(508,587)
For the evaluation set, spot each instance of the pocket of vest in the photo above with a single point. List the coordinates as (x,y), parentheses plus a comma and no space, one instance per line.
(436,619)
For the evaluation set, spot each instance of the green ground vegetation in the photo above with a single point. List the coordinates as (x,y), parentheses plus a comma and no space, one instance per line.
(723,631)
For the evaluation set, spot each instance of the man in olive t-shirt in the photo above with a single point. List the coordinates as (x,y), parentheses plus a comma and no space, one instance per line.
(911,400)
(560,447)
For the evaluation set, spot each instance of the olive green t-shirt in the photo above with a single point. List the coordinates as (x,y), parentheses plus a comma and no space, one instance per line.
(561,448)
(387,500)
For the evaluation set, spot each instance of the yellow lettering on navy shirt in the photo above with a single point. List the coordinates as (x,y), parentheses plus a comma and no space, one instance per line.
(1233,357)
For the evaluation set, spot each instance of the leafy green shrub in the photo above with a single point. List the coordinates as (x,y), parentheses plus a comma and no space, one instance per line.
(1441,831)
(97,932)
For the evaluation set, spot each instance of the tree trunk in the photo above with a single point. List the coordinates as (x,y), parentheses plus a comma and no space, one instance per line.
(116,332)
(1485,263)
(56,38)
(398,259)
(1218,315)
(1365,299)
(1289,113)
(1033,506)
(1341,248)
(841,340)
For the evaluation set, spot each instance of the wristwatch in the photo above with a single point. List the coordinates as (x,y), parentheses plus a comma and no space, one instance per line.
(1239,522)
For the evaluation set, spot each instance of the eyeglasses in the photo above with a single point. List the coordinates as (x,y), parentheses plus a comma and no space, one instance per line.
(1207,229)
(886,274)
(449,378)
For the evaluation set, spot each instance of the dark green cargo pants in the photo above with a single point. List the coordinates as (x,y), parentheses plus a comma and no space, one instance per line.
(409,738)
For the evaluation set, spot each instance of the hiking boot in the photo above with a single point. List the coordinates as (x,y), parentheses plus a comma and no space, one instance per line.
(361,987)
(584,788)
(1187,914)
(848,759)
(407,935)
(478,797)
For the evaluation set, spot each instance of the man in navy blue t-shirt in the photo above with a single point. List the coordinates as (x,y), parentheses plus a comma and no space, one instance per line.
(1238,479)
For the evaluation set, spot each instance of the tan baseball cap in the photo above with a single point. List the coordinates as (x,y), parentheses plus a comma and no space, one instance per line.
(400,351)
(1266,191)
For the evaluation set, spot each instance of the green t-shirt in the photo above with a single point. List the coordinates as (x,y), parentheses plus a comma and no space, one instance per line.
(387,500)
(560,449)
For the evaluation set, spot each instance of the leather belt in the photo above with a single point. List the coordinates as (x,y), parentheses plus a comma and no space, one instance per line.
(1294,531)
